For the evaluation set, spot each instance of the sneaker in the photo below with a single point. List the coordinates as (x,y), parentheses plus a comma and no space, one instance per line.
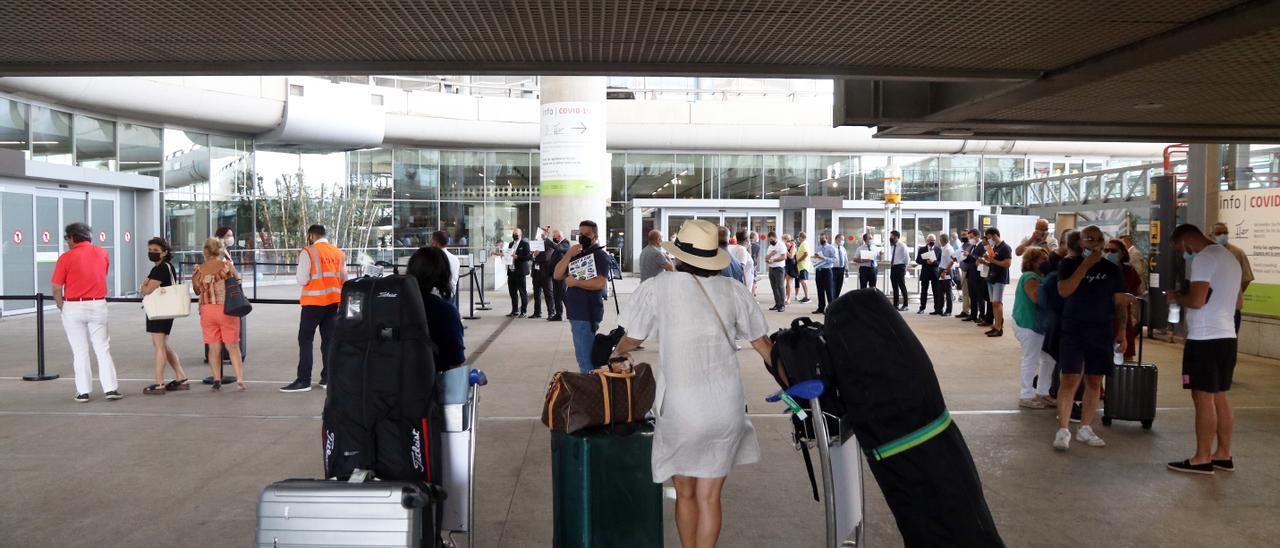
(804,300)
(114,395)
(82,398)
(324,385)
(1031,403)
(1049,401)
(1186,466)
(1226,465)
(1086,435)
(297,386)
(1062,440)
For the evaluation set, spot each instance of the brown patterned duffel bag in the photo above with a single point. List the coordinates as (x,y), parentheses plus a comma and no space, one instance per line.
(599,398)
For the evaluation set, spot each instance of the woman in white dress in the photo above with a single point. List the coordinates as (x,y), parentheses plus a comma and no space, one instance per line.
(702,429)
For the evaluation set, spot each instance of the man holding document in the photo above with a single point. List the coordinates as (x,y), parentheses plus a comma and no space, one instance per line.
(585,270)
(866,256)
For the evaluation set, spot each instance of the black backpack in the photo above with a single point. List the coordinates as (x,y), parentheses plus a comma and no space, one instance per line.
(799,355)
(381,412)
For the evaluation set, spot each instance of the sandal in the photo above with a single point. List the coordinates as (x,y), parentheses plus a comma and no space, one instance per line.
(156,389)
(178,384)
(217,386)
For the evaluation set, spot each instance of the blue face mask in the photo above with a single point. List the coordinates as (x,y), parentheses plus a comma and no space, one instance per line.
(1188,256)
(1114,257)
(1221,239)
(1087,252)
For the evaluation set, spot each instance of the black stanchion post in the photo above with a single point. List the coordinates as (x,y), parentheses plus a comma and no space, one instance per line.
(479,283)
(40,374)
(617,308)
(472,277)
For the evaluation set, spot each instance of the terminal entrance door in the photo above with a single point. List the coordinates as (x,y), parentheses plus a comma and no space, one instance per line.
(762,222)
(55,209)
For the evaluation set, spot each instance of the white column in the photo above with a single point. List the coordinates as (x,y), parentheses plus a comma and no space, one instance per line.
(574,167)
(1204,171)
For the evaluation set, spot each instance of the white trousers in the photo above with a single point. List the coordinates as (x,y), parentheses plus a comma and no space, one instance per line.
(86,324)
(1034,361)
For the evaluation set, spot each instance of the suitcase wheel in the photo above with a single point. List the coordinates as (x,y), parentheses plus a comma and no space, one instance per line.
(1106,421)
(1146,425)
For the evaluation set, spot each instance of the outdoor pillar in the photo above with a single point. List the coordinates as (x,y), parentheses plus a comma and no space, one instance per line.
(574,173)
(1204,172)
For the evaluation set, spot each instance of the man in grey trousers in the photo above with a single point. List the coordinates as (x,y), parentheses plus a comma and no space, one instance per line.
(775,257)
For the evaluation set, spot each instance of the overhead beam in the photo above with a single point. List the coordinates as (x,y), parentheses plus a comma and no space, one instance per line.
(1042,132)
(1236,22)
(290,67)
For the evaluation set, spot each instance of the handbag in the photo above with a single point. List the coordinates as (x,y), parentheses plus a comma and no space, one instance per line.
(604,397)
(168,302)
(236,304)
(602,346)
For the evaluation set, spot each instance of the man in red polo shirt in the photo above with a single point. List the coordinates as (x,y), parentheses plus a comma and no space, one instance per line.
(80,290)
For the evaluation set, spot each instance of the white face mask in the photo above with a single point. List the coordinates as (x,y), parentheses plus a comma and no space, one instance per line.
(229,241)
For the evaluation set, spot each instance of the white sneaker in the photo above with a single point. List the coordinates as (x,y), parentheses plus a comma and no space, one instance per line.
(1031,403)
(1087,436)
(1062,440)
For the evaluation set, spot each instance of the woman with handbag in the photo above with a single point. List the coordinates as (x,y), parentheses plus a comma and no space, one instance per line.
(162,275)
(209,281)
(701,429)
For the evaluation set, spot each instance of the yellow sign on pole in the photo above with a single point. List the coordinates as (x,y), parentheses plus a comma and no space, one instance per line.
(1155,231)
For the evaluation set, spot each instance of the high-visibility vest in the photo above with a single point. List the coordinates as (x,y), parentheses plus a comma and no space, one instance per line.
(325,287)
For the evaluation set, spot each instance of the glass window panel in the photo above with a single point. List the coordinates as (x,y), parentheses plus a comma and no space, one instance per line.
(508,174)
(458,220)
(740,176)
(50,135)
(277,172)
(462,175)
(1003,170)
(95,143)
(414,222)
(14,125)
(188,225)
(417,173)
(141,150)
(960,176)
(186,163)
(235,213)
(871,172)
(617,176)
(693,178)
(651,176)
(535,177)
(831,175)
(231,159)
(920,177)
(784,175)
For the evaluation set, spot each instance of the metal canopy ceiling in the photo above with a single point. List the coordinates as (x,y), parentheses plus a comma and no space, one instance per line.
(1072,69)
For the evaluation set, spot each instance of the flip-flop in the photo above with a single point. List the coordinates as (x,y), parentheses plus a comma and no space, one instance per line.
(178,384)
(155,389)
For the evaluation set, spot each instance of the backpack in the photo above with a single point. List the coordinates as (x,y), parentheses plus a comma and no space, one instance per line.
(800,354)
(381,412)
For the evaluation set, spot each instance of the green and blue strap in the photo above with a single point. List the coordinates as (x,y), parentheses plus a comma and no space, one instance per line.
(925,433)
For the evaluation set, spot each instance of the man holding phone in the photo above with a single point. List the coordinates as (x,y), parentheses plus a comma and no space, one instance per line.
(1040,238)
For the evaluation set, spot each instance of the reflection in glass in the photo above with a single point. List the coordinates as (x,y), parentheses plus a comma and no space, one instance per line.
(960,177)
(617,176)
(831,175)
(187,223)
(693,178)
(186,163)
(740,176)
(232,165)
(457,220)
(871,173)
(462,175)
(920,177)
(50,136)
(508,173)
(1003,170)
(95,143)
(650,176)
(784,175)
(416,173)
(14,124)
(141,150)
(414,222)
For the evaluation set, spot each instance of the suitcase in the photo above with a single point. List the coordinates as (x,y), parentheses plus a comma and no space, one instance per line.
(602,489)
(338,513)
(1131,389)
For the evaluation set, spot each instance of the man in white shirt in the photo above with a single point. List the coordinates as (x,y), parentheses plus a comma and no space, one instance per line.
(866,267)
(841,267)
(942,291)
(743,254)
(1209,356)
(898,259)
(439,239)
(1040,238)
(775,257)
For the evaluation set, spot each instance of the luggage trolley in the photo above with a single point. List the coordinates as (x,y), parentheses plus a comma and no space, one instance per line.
(840,459)
(459,440)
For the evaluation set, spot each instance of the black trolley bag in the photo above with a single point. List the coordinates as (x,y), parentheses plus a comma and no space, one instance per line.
(896,410)
(1131,386)
(382,412)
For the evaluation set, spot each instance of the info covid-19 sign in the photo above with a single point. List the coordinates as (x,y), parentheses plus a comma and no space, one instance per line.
(1253,218)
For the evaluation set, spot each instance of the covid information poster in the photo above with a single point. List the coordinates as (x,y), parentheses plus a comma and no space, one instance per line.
(1253,218)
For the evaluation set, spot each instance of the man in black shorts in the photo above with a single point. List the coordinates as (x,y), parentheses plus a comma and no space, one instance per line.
(1092,326)
(1209,357)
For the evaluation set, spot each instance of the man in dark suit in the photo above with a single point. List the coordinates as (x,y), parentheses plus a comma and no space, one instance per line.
(541,276)
(928,256)
(556,250)
(516,272)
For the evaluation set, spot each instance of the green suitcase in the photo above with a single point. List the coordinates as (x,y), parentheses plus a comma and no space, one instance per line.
(603,491)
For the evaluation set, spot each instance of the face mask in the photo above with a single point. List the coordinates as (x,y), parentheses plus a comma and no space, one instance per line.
(773,242)
(584,240)
(1221,239)
(515,236)
(153,256)
(931,244)
(1114,257)
(964,240)
(1087,252)
(229,241)
(1188,256)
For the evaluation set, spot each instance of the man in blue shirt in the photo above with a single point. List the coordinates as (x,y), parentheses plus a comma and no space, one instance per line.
(585,270)
(824,260)
(734,270)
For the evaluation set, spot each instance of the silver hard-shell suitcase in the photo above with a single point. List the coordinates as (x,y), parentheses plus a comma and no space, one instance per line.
(337,513)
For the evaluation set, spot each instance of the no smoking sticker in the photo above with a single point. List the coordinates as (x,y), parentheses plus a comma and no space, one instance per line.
(17,237)
(45,236)
(102,236)
(127,237)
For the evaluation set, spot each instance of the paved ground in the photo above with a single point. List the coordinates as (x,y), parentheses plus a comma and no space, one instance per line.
(185,469)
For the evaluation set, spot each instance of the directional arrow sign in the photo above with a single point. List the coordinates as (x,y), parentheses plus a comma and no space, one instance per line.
(581,127)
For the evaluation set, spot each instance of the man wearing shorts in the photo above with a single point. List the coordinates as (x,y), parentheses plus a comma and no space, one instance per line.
(998,259)
(1209,357)
(1092,329)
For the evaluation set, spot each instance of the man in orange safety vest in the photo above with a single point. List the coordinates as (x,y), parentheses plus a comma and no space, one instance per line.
(321,271)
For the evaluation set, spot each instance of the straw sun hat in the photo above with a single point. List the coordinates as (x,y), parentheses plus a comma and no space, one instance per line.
(697,245)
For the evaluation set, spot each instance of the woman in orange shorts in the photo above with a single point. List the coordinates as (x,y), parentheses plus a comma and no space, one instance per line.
(209,282)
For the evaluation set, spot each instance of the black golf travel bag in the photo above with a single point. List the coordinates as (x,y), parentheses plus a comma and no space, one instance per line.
(381,412)
(895,407)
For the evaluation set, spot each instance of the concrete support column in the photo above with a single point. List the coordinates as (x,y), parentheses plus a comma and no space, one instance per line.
(574,168)
(1204,169)
(1237,163)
